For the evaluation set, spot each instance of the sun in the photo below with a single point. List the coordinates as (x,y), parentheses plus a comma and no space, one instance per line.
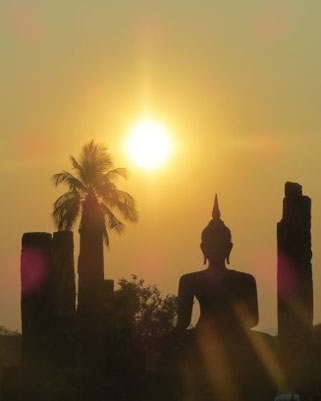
(149,144)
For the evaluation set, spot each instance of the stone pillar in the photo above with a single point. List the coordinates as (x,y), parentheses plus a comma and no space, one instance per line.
(64,299)
(64,273)
(295,289)
(36,298)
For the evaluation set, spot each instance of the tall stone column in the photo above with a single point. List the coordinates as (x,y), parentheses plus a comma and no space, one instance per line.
(36,297)
(64,299)
(295,289)
(64,273)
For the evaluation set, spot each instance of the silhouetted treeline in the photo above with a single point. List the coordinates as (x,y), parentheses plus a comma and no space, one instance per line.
(137,326)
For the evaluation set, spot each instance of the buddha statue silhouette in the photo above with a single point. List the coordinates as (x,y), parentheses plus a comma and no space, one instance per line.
(227,297)
(219,353)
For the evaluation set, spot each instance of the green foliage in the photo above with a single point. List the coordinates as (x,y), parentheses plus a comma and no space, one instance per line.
(93,194)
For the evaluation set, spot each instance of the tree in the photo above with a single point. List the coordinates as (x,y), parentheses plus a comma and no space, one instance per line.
(151,316)
(92,191)
(7,332)
(94,198)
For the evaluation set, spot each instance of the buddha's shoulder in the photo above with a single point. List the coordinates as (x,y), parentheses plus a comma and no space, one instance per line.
(206,275)
(192,276)
(241,275)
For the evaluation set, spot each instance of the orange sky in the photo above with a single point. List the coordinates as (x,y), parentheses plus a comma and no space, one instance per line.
(237,83)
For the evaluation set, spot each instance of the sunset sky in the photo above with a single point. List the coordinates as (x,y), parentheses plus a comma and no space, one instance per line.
(237,84)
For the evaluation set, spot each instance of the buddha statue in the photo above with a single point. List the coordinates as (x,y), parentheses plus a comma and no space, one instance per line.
(219,355)
(227,298)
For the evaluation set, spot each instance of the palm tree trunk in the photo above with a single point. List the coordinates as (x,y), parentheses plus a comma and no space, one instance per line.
(91,258)
(90,287)
(90,271)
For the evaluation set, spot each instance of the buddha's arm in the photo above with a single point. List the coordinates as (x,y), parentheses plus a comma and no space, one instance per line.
(247,309)
(252,302)
(185,303)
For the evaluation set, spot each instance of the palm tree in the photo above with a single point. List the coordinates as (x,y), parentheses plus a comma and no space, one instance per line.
(92,198)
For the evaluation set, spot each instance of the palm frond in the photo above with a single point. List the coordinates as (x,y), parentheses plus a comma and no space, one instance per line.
(114,174)
(121,201)
(66,210)
(77,167)
(126,198)
(95,160)
(113,222)
(105,236)
(105,189)
(73,182)
(128,212)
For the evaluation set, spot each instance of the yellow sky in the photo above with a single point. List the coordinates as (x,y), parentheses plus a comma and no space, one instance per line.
(238,84)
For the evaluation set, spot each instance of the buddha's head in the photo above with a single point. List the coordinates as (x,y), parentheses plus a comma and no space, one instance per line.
(216,242)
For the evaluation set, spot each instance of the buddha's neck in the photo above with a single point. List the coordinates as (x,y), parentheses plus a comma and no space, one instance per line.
(217,265)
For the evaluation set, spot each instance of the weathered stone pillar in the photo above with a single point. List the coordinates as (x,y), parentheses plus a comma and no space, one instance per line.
(36,298)
(64,299)
(295,289)
(64,273)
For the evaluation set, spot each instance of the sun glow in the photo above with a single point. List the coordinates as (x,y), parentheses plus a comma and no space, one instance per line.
(149,144)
